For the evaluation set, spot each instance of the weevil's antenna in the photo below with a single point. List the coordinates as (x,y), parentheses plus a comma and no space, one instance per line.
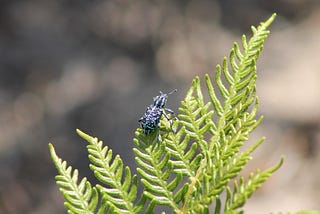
(174,90)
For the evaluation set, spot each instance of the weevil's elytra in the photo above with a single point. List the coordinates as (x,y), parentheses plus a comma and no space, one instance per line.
(151,118)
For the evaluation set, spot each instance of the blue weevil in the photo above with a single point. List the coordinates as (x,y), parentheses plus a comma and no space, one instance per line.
(151,118)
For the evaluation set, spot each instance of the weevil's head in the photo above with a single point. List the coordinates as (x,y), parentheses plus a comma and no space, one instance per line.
(161,100)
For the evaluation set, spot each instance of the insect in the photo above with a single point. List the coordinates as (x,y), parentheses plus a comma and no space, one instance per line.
(151,118)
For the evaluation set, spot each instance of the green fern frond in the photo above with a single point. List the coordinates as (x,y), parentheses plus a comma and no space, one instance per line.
(122,186)
(155,171)
(243,190)
(80,197)
(234,122)
(185,159)
(187,169)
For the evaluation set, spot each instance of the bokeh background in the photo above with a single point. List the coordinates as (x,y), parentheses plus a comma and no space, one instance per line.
(95,65)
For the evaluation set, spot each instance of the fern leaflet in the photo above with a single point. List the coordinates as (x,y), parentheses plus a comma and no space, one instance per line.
(122,186)
(80,197)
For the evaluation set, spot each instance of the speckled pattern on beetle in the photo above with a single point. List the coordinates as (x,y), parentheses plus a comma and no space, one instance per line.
(151,118)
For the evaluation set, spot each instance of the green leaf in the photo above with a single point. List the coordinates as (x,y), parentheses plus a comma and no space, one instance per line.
(120,186)
(155,170)
(80,197)
(243,190)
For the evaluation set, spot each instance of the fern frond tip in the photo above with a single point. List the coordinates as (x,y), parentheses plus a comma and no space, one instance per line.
(276,167)
(269,21)
(53,153)
(83,135)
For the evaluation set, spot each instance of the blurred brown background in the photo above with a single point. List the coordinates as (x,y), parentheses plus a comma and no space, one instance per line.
(95,65)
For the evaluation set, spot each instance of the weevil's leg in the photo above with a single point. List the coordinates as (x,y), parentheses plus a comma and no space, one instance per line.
(159,136)
(171,112)
(166,116)
(169,119)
